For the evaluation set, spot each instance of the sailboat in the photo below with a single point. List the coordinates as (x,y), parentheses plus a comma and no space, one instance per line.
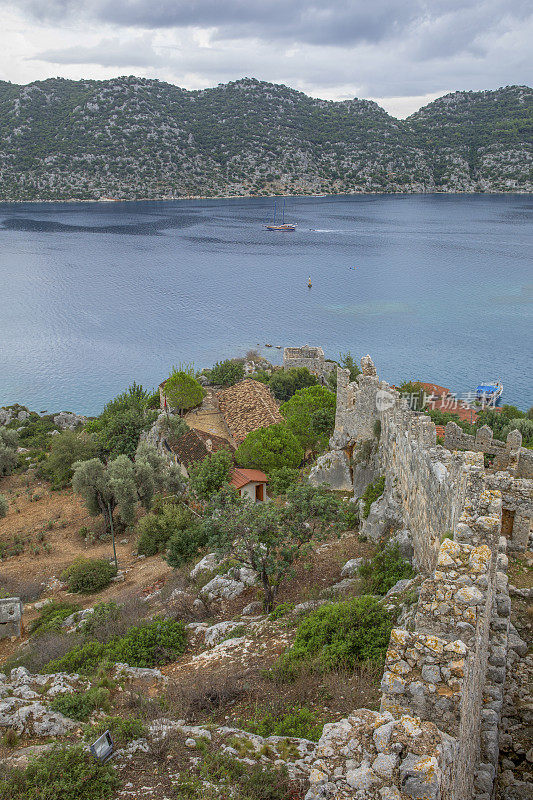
(285,226)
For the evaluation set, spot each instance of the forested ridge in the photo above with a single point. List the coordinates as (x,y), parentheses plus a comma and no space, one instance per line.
(130,138)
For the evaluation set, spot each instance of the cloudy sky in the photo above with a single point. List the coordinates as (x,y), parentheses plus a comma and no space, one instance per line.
(401,53)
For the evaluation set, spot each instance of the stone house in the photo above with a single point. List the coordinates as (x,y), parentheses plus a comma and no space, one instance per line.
(250,483)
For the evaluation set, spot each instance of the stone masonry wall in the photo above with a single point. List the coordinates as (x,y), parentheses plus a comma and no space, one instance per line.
(436,735)
(310,357)
(508,455)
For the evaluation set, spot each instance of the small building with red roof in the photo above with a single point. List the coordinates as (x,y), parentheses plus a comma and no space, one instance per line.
(250,483)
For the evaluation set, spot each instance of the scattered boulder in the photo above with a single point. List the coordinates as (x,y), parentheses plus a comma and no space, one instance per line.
(351,567)
(252,609)
(215,633)
(222,587)
(66,420)
(207,564)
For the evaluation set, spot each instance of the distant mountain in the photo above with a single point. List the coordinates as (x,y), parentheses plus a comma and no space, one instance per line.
(137,138)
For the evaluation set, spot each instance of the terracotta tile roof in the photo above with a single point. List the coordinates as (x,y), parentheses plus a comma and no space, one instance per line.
(246,407)
(195,445)
(240,477)
(433,388)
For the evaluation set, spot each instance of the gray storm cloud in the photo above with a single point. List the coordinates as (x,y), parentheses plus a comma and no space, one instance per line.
(339,22)
(377,48)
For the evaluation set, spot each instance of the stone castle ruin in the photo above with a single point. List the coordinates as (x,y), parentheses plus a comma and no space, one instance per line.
(436,734)
(311,357)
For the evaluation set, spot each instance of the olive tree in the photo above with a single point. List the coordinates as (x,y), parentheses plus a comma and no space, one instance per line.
(268,539)
(121,484)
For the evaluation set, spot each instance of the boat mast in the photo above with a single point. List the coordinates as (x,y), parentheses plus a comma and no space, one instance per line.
(283,216)
(274,220)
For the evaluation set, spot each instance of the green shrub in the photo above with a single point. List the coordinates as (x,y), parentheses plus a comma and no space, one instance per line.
(208,476)
(155,529)
(281,610)
(103,614)
(63,773)
(52,616)
(4,506)
(372,492)
(239,781)
(299,721)
(338,636)
(80,705)
(85,658)
(279,480)
(226,373)
(146,645)
(122,729)
(34,433)
(184,545)
(118,428)
(88,575)
(9,442)
(150,644)
(384,570)
(65,449)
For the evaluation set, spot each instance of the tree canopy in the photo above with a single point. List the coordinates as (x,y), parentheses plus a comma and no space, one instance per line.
(117,429)
(183,391)
(208,476)
(8,450)
(310,415)
(284,383)
(66,448)
(121,484)
(270,448)
(268,539)
(226,373)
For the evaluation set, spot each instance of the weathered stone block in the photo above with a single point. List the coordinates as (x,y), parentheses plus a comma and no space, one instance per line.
(10,617)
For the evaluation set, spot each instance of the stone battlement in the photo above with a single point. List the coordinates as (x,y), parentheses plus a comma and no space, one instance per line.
(436,735)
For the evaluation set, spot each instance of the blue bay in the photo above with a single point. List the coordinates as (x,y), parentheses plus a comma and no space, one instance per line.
(96,295)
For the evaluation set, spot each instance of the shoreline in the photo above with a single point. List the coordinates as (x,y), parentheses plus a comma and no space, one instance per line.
(110,201)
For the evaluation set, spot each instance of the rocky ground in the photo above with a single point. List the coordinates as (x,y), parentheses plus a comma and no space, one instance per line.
(208,696)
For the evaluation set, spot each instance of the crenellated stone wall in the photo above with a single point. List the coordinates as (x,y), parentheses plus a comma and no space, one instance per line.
(508,455)
(436,735)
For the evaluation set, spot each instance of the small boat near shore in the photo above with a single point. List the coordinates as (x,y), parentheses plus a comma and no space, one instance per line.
(489,392)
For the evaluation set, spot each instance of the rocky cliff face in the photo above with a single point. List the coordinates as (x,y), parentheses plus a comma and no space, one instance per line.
(131,137)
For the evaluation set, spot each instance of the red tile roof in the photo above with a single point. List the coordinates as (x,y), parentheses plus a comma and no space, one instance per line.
(195,445)
(240,477)
(433,388)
